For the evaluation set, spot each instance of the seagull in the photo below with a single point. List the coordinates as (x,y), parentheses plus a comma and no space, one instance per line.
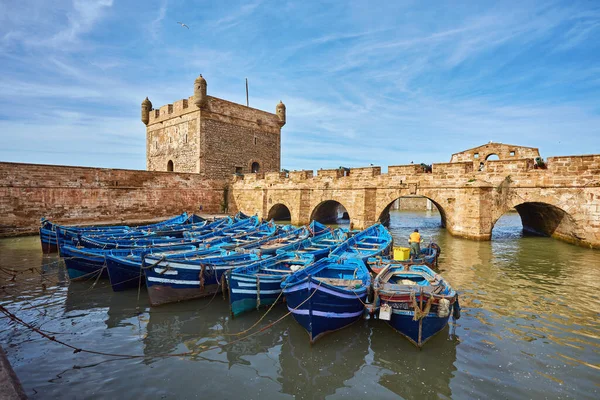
(183,25)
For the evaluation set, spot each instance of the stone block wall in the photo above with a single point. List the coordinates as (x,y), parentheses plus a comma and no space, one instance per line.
(562,201)
(80,195)
(213,137)
(480,154)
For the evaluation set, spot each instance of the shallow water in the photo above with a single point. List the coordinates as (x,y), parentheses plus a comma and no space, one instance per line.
(530,328)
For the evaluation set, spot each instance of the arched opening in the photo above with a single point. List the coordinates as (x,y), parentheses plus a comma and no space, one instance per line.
(280,213)
(492,157)
(170,166)
(536,219)
(407,213)
(255,167)
(330,212)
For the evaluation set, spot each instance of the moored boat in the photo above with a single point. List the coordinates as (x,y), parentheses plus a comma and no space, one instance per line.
(173,280)
(429,256)
(83,262)
(415,301)
(371,242)
(328,295)
(258,284)
(319,246)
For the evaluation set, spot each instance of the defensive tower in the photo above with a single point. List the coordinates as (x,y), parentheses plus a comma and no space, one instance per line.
(211,136)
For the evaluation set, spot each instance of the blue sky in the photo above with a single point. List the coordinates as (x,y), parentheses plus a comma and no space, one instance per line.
(382,83)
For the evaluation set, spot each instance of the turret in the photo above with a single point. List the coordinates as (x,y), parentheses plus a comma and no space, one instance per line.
(200,91)
(146,107)
(280,111)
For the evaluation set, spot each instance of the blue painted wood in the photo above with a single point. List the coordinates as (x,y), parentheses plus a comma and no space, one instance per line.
(82,261)
(397,285)
(321,306)
(371,242)
(173,280)
(264,275)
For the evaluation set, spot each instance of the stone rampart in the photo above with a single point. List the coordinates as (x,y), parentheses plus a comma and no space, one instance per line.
(80,195)
(561,201)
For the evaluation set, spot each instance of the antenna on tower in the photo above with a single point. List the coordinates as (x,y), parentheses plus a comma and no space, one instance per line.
(247,102)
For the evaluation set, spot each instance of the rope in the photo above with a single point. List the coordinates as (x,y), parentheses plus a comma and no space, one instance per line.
(420,314)
(269,310)
(75,349)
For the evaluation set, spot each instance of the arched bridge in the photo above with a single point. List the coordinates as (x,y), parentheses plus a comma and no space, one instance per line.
(561,199)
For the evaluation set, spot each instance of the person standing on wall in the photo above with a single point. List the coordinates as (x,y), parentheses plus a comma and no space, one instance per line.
(414,241)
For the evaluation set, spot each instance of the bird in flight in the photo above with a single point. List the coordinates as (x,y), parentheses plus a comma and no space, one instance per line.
(183,25)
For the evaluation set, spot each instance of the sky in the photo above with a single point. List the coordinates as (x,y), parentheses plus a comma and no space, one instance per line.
(382,83)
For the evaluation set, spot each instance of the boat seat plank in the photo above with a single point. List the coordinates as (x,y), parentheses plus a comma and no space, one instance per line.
(412,288)
(340,282)
(284,271)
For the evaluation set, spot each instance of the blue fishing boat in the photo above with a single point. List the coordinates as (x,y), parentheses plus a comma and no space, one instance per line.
(262,232)
(236,228)
(173,280)
(124,271)
(84,262)
(328,295)
(429,256)
(415,301)
(371,242)
(50,242)
(288,240)
(319,246)
(258,284)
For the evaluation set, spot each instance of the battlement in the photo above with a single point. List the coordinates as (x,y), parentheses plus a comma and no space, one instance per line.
(330,173)
(218,109)
(404,170)
(168,111)
(365,172)
(452,168)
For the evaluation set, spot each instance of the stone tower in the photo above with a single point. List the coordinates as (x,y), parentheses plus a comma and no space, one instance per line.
(211,136)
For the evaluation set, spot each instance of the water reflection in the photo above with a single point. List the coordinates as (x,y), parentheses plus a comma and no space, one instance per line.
(412,373)
(314,372)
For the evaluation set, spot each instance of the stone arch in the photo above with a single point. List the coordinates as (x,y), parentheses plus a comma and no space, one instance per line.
(170,166)
(492,157)
(383,215)
(279,212)
(542,216)
(329,211)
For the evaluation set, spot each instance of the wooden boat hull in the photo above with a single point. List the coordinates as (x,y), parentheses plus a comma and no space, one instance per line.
(328,310)
(417,332)
(415,301)
(124,273)
(259,284)
(173,281)
(83,268)
(243,293)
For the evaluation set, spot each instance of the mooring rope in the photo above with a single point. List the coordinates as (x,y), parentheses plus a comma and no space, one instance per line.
(76,349)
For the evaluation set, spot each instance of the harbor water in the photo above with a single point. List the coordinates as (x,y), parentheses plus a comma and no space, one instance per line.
(530,328)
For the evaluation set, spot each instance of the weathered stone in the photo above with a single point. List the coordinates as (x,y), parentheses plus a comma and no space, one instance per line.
(213,137)
(557,201)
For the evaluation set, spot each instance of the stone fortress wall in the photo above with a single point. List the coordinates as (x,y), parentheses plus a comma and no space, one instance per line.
(81,195)
(562,201)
